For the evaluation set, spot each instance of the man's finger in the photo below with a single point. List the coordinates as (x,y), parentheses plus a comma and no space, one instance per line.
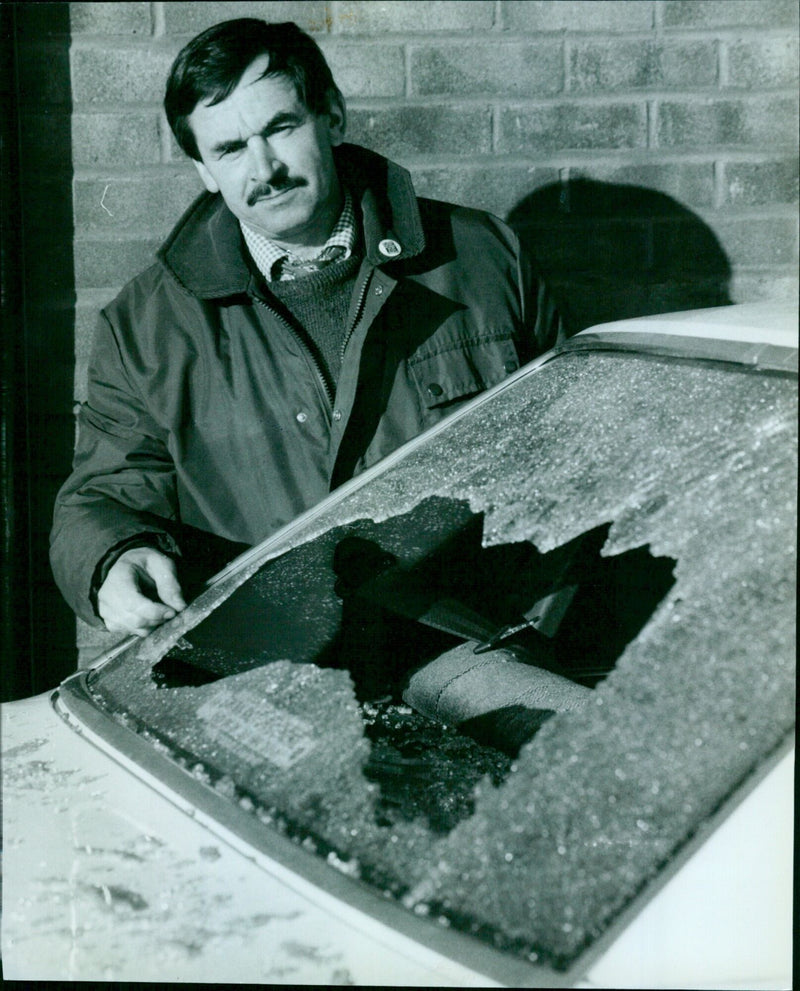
(138,615)
(162,572)
(140,592)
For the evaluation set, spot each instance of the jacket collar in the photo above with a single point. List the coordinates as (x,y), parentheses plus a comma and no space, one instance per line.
(204,251)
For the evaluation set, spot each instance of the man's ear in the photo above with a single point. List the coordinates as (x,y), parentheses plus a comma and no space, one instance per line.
(208,180)
(337,117)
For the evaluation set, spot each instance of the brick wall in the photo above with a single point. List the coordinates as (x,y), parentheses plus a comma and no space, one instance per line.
(646,149)
(486,101)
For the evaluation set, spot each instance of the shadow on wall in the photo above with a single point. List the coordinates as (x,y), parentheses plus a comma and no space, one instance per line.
(39,638)
(615,251)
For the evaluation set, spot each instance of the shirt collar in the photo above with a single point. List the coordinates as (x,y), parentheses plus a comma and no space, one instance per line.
(205,255)
(269,256)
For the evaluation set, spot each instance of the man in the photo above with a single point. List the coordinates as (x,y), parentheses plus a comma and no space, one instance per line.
(307,315)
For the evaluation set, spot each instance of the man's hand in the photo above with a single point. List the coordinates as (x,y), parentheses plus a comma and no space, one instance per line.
(140,592)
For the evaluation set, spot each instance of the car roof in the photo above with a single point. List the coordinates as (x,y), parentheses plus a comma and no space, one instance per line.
(763,322)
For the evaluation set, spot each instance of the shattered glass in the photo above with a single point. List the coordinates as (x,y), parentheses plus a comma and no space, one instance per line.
(278,688)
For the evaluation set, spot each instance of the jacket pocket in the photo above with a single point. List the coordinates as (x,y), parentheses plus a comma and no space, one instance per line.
(457,373)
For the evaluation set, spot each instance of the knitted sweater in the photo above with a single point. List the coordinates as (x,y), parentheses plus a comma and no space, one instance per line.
(319,303)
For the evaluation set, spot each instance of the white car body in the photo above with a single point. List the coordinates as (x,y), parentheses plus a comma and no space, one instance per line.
(110,874)
(83,831)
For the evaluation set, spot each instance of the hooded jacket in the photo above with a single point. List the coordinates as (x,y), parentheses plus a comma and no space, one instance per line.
(206,409)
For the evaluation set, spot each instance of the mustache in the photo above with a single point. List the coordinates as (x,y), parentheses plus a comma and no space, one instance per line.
(278,185)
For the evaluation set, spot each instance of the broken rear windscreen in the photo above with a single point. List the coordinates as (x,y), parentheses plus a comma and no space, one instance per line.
(508,678)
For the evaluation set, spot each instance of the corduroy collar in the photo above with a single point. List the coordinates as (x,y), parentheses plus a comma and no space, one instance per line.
(204,251)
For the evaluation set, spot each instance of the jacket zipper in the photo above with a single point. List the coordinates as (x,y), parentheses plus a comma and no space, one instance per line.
(318,368)
(357,315)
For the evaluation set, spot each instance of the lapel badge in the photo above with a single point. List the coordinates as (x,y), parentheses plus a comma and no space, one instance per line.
(389,248)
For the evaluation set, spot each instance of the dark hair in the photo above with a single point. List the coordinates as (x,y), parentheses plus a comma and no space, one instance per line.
(209,68)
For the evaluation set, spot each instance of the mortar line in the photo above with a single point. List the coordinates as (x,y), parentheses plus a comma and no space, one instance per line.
(652,126)
(657,25)
(723,64)
(719,182)
(494,129)
(158,21)
(497,17)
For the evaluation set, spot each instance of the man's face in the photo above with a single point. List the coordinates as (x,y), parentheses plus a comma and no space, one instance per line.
(271,158)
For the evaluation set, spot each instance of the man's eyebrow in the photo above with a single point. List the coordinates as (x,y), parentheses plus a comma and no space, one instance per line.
(273,124)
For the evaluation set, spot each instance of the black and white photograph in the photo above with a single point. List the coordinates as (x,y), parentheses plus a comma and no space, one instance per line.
(399,470)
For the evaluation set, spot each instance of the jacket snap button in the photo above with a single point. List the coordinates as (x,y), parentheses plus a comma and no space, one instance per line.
(378,290)
(389,248)
(435,389)
(302,417)
(510,366)
(337,414)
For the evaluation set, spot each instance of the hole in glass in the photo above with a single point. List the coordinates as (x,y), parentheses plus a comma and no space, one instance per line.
(458,653)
